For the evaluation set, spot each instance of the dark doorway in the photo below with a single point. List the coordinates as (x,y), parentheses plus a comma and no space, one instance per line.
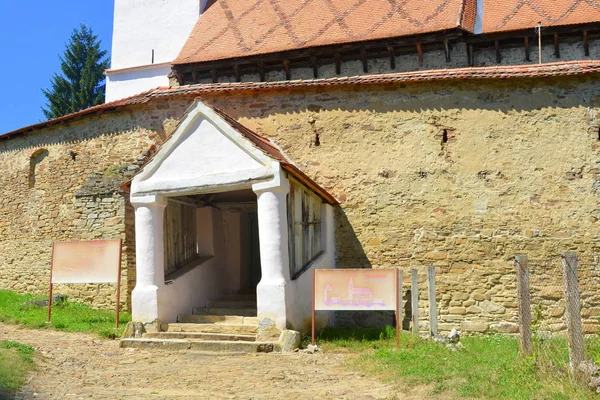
(253,262)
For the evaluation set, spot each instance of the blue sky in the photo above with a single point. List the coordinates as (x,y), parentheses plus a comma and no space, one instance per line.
(33,34)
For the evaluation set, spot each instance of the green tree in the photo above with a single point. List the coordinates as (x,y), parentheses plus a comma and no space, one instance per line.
(81,83)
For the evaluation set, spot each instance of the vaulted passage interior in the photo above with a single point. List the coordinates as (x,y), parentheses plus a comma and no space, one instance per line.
(217,234)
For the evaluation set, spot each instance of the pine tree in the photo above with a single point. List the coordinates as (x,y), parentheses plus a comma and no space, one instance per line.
(81,84)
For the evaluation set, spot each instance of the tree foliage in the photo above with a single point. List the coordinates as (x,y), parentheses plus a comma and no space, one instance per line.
(81,83)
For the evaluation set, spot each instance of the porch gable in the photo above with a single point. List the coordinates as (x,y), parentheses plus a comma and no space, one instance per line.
(205,152)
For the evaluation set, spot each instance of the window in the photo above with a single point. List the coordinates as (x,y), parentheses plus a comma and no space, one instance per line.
(304,221)
(181,245)
(34,165)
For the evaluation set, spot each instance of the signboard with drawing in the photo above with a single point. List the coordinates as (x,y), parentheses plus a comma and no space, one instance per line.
(96,261)
(357,290)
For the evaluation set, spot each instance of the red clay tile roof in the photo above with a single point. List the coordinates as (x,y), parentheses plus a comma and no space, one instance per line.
(569,68)
(240,28)
(509,15)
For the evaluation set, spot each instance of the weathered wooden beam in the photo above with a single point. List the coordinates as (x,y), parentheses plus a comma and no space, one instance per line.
(363,58)
(527,49)
(524,305)
(586,44)
(338,63)
(556,46)
(214,76)
(261,71)
(194,76)
(286,68)
(420,53)
(498,55)
(470,55)
(433,326)
(236,73)
(573,311)
(414,301)
(390,50)
(447,50)
(315,66)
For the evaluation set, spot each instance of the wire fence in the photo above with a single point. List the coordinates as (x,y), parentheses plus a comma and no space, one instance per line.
(548,328)
(564,311)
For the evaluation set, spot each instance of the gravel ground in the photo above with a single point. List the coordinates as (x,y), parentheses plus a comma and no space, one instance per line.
(82,366)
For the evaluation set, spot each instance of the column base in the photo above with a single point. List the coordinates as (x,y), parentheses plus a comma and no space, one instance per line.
(144,303)
(271,305)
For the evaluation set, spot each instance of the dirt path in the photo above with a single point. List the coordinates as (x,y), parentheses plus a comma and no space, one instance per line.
(80,366)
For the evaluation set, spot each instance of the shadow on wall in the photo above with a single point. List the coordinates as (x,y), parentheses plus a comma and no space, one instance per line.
(350,254)
(349,250)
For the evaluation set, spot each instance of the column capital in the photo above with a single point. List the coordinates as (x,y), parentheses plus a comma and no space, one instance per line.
(149,201)
(279,183)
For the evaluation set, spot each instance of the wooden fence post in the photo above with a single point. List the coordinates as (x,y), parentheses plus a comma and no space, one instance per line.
(524,304)
(573,310)
(433,330)
(400,297)
(415,300)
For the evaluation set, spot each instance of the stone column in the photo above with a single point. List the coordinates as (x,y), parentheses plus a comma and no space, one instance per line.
(272,290)
(149,255)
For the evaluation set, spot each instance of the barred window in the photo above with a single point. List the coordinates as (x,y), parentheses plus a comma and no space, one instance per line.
(304,221)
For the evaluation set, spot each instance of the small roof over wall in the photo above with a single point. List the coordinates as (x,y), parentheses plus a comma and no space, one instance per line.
(500,72)
(210,151)
(241,28)
(511,15)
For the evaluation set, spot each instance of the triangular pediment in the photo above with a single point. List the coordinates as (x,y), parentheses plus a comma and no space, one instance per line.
(205,151)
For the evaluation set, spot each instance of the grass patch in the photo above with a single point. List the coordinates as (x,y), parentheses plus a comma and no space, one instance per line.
(16,360)
(67,316)
(488,367)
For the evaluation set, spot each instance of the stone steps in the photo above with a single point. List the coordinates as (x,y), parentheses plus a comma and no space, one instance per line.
(240,312)
(201,336)
(227,329)
(232,304)
(229,324)
(201,345)
(240,297)
(217,319)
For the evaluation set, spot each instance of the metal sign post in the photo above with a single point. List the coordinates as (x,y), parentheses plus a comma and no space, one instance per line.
(97,261)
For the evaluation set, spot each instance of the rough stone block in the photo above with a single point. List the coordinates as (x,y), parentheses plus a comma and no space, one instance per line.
(505,327)
(289,340)
(474,326)
(492,307)
(458,310)
(552,292)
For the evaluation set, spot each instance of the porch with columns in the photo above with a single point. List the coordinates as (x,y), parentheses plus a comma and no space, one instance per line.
(211,154)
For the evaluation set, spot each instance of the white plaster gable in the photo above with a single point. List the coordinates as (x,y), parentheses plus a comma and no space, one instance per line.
(204,154)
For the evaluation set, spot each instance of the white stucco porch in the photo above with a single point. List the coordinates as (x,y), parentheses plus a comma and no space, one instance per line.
(210,153)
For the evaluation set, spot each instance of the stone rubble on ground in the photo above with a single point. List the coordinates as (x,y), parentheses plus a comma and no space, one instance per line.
(56,300)
(312,349)
(591,374)
(451,341)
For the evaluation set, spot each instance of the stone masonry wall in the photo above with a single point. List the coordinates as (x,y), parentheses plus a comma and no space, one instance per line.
(76,194)
(459,175)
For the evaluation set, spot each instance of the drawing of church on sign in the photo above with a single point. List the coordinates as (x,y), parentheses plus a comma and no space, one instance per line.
(358,295)
(361,296)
